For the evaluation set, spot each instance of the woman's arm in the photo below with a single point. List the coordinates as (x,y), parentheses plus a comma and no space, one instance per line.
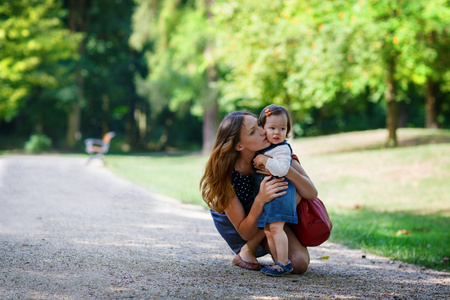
(301,181)
(246,225)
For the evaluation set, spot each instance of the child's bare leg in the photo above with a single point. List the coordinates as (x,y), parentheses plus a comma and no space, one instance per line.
(248,251)
(281,242)
(270,242)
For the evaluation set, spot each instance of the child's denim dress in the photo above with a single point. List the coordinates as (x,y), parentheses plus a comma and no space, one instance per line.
(283,208)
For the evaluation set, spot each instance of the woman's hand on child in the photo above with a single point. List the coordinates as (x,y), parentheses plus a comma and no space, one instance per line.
(264,172)
(272,188)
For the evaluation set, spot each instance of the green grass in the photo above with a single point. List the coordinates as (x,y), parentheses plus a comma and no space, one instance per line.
(174,176)
(391,202)
(413,238)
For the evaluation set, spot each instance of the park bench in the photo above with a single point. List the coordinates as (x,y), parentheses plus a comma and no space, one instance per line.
(98,147)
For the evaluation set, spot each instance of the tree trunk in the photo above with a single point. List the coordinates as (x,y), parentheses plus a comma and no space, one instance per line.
(392,105)
(130,127)
(403,113)
(164,138)
(140,119)
(76,12)
(211,108)
(210,118)
(430,105)
(106,113)
(210,126)
(73,125)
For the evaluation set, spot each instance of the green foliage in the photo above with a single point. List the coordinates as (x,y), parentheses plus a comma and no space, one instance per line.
(38,143)
(107,67)
(425,40)
(306,54)
(258,52)
(411,33)
(176,39)
(277,53)
(33,46)
(144,68)
(177,36)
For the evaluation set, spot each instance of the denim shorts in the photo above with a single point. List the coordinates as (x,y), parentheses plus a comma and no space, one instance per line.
(230,234)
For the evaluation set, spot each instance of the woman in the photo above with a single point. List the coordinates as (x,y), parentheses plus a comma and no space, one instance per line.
(227,189)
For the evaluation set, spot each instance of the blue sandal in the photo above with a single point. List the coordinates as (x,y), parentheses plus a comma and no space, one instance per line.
(271,271)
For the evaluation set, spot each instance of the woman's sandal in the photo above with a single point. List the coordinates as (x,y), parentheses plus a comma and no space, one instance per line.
(271,271)
(237,260)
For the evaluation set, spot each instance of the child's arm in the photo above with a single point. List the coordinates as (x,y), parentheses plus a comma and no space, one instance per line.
(259,162)
(279,163)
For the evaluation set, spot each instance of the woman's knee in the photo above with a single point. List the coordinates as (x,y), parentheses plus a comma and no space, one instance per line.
(298,254)
(299,262)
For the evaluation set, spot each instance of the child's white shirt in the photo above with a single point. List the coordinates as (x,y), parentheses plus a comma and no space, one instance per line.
(280,161)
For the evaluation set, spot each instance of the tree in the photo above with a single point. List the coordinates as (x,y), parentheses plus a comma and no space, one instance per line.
(304,54)
(390,46)
(77,23)
(175,36)
(426,54)
(104,87)
(276,53)
(210,99)
(256,57)
(35,54)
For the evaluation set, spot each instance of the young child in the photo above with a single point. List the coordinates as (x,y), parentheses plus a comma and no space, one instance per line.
(276,159)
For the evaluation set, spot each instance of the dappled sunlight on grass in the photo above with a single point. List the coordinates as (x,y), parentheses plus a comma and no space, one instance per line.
(412,179)
(418,239)
(367,140)
(173,176)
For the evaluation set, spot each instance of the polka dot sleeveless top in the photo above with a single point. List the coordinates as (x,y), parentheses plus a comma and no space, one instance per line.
(243,186)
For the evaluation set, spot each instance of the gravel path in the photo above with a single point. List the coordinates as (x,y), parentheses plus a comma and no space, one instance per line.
(71,231)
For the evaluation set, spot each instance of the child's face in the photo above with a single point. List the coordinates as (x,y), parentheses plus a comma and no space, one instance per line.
(276,127)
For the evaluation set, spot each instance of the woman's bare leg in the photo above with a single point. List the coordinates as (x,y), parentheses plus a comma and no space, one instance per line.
(248,251)
(298,254)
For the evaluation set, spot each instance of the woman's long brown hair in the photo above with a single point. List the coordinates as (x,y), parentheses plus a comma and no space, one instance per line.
(215,184)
